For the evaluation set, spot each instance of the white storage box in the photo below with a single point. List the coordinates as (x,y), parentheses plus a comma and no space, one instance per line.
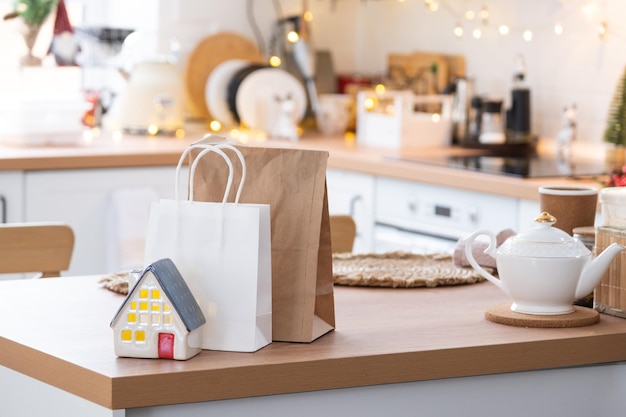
(402,119)
(42,118)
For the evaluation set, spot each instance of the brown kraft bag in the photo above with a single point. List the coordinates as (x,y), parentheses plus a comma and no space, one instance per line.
(293,183)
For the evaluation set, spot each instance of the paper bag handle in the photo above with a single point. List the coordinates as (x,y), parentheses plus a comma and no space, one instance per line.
(243,170)
(205,149)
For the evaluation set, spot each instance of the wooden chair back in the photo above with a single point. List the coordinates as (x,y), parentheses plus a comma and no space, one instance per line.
(342,233)
(35,247)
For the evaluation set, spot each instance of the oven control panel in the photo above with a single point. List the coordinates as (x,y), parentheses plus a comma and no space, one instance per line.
(447,212)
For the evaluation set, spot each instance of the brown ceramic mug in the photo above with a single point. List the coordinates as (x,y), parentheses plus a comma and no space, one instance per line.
(572,206)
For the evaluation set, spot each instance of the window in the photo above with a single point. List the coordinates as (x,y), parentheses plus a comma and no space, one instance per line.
(127,335)
(140,336)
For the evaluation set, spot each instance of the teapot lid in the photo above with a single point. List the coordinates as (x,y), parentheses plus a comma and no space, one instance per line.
(544,241)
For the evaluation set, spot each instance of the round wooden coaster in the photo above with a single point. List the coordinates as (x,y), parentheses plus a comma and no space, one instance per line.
(582,316)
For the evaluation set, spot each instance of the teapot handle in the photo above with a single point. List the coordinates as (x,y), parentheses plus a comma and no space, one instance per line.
(491,251)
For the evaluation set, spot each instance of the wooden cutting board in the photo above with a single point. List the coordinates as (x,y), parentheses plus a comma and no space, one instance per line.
(208,54)
(414,70)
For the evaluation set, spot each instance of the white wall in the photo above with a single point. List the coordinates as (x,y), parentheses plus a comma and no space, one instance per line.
(576,67)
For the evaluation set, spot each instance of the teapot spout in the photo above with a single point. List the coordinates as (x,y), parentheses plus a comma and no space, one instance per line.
(592,272)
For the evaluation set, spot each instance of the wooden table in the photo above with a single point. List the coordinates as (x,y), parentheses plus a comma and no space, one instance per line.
(395,351)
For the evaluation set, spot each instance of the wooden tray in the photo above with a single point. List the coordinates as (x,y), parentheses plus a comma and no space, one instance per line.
(417,66)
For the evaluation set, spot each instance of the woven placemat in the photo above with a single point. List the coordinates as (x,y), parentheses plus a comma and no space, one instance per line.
(117,282)
(400,270)
(392,269)
(580,317)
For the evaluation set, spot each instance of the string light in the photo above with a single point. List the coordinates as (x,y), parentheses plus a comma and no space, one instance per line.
(293,36)
(528,35)
(590,8)
(275,61)
(458,30)
(484,15)
(602,30)
(153,130)
(433,6)
(558,29)
(369,103)
(215,126)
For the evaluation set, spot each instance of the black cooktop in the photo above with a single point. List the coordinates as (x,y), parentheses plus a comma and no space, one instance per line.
(525,166)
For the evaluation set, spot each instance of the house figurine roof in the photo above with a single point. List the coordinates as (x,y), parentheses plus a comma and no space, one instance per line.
(176,289)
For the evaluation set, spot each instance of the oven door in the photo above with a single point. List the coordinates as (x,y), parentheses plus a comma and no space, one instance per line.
(389,238)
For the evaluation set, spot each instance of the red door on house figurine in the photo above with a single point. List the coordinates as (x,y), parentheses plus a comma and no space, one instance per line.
(166,346)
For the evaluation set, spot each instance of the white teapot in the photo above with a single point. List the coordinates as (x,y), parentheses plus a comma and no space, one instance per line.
(544,269)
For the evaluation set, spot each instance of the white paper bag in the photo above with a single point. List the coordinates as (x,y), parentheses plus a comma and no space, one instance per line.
(223,252)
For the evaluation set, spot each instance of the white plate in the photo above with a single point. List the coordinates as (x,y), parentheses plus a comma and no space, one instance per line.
(216,90)
(258,94)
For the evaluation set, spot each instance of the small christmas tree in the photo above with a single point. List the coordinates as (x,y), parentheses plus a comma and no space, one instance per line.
(615,132)
(32,12)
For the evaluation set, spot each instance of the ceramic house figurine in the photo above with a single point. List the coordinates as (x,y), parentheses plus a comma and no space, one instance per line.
(159,318)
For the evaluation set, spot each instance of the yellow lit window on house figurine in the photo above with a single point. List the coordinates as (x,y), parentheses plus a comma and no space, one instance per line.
(132,317)
(166,308)
(143,293)
(133,305)
(140,336)
(143,306)
(156,306)
(127,335)
(155,294)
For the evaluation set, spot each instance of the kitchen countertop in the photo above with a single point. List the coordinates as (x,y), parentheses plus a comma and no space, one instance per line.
(383,336)
(104,152)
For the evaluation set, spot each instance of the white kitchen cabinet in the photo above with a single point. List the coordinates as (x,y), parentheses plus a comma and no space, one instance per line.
(106,208)
(528,210)
(11,203)
(11,196)
(353,194)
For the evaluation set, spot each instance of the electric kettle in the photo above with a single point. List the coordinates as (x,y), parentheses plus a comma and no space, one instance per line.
(153,101)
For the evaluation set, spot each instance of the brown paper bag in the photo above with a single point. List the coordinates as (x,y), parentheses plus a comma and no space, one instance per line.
(293,183)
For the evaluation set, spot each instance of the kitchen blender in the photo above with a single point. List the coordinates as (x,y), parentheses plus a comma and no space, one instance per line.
(491,125)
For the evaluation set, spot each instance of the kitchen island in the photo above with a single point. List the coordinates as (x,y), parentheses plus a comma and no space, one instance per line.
(427,352)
